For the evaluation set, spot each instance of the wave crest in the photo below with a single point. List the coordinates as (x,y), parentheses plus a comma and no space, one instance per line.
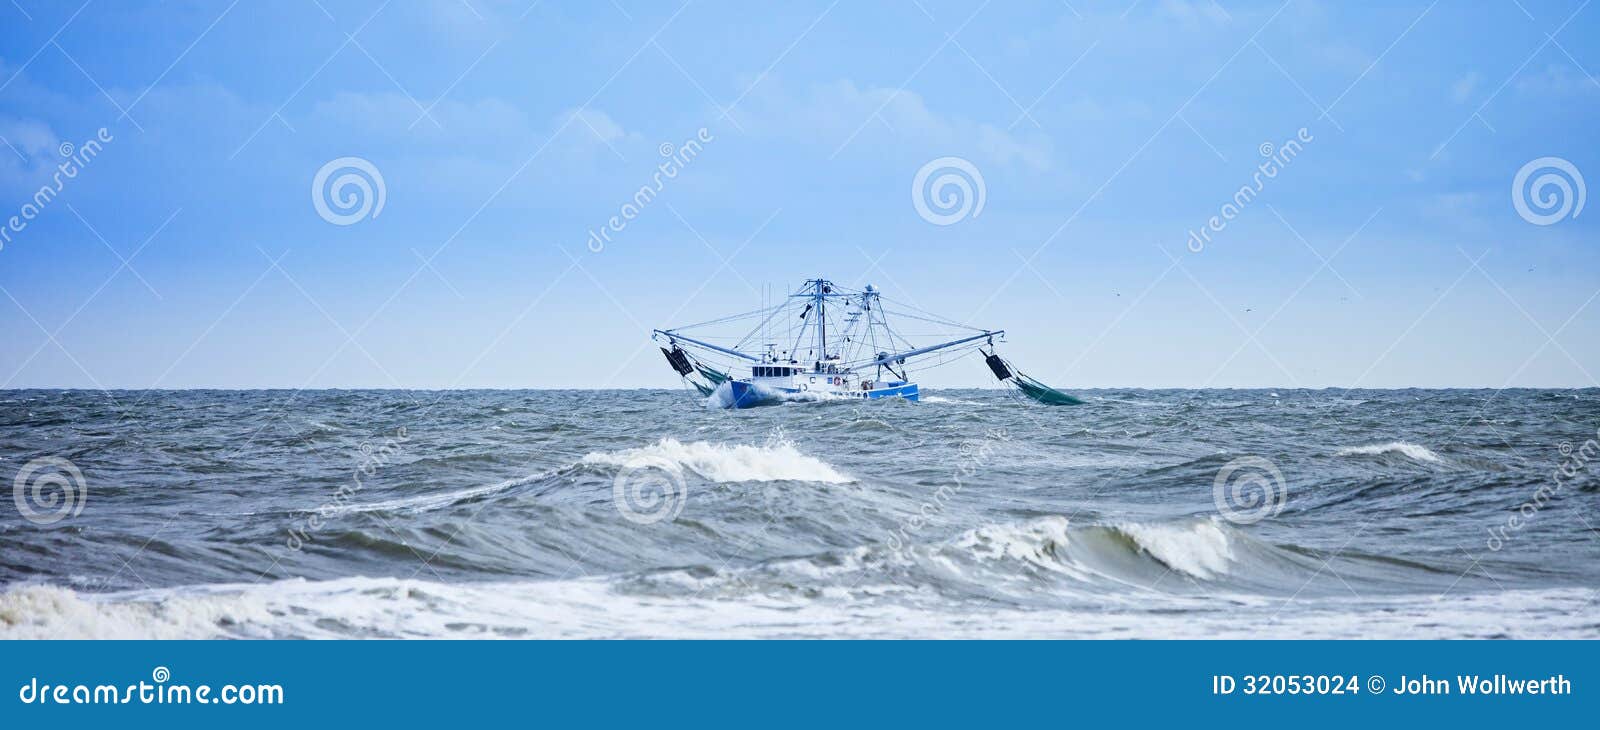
(776,461)
(1409,450)
(1201,549)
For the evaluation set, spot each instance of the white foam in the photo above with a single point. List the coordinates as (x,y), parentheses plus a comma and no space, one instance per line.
(1420,453)
(51,612)
(939,399)
(590,608)
(812,396)
(1041,543)
(778,460)
(722,397)
(1022,541)
(1201,549)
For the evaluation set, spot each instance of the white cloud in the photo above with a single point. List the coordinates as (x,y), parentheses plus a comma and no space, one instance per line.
(841,114)
(394,116)
(595,123)
(488,126)
(30,148)
(1557,80)
(1194,11)
(1461,90)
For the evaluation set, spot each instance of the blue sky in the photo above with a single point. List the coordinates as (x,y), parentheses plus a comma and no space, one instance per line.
(1388,253)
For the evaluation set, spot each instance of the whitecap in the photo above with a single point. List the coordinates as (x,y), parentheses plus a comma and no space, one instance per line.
(1419,453)
(592,608)
(1201,549)
(939,399)
(776,461)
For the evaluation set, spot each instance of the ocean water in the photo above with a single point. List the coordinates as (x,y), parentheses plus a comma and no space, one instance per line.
(1143,513)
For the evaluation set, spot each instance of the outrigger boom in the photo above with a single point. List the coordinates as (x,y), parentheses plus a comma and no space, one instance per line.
(838,346)
(674,336)
(931,348)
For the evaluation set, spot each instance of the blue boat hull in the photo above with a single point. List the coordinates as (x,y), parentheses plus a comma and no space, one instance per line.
(744,394)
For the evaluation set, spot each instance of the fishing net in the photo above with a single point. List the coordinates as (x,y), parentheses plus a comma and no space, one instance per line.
(714,376)
(1030,387)
(1043,393)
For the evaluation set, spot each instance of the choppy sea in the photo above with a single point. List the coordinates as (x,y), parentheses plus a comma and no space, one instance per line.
(639,513)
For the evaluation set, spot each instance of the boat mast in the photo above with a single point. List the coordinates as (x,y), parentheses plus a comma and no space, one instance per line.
(822,322)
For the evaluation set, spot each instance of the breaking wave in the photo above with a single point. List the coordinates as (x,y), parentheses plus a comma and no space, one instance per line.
(1201,549)
(589,608)
(1409,450)
(893,521)
(1041,576)
(778,460)
(945,400)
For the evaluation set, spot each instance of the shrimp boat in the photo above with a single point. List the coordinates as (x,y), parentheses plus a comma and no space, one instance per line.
(826,342)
